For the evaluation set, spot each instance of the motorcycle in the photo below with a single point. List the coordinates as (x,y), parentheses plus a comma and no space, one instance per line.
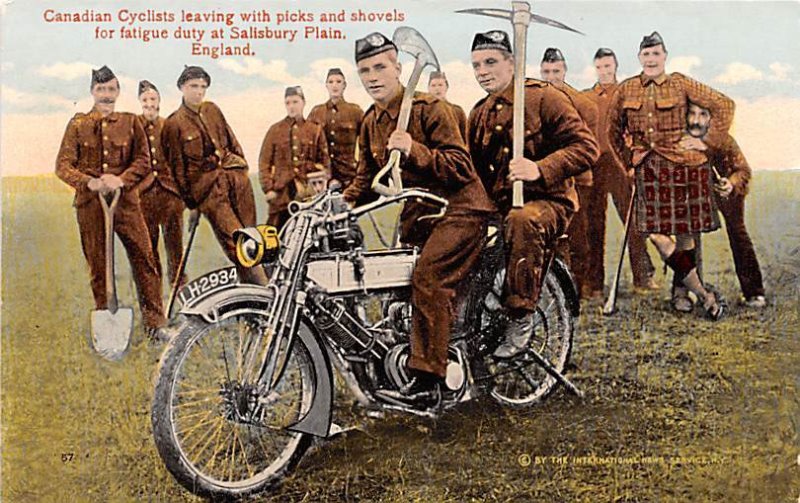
(248,383)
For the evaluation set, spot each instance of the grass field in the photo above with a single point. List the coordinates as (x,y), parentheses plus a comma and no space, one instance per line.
(677,408)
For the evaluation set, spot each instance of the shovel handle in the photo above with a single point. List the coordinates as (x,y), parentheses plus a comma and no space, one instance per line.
(108,217)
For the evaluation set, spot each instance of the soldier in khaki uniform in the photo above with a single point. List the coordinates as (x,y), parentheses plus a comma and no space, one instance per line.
(161,202)
(558,147)
(610,178)
(438,86)
(341,122)
(646,124)
(554,70)
(434,157)
(292,149)
(209,167)
(103,151)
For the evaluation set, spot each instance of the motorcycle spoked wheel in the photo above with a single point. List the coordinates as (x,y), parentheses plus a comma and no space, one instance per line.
(520,382)
(198,432)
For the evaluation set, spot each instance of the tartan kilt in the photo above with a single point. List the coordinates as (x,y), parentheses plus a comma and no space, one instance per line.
(674,199)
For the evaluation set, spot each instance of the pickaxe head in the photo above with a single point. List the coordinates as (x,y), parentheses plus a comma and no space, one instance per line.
(411,41)
(520,13)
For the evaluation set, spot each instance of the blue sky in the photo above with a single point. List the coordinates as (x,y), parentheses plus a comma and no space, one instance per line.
(749,50)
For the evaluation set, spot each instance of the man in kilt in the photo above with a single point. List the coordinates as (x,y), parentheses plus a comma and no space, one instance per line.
(672,176)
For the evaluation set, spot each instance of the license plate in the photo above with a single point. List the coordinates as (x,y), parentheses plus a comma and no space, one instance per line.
(207,284)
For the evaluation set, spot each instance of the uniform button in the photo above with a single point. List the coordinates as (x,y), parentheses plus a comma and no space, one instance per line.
(331,155)
(333,121)
(106,138)
(650,130)
(105,165)
(333,133)
(332,144)
(189,138)
(217,153)
(527,131)
(105,152)
(498,127)
(155,173)
(649,114)
(294,147)
(152,150)
(104,124)
(294,126)
(334,110)
(652,145)
(499,106)
(155,162)
(150,126)
(152,138)
(649,97)
(201,114)
(491,168)
(296,170)
(294,158)
(505,150)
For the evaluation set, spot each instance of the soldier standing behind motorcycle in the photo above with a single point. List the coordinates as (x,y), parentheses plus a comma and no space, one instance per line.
(434,158)
(209,166)
(340,122)
(161,202)
(292,148)
(558,146)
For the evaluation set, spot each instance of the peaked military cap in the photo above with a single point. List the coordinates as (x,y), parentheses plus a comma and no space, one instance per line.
(372,44)
(437,75)
(494,39)
(103,75)
(193,72)
(551,55)
(294,91)
(334,71)
(603,52)
(652,40)
(144,85)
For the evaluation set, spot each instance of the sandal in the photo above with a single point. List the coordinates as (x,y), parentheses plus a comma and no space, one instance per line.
(719,303)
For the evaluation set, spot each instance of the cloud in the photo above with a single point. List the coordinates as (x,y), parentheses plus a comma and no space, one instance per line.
(25,100)
(780,71)
(766,129)
(739,72)
(66,71)
(683,64)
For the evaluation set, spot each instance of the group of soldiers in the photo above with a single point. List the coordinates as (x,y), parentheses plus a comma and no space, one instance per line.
(659,139)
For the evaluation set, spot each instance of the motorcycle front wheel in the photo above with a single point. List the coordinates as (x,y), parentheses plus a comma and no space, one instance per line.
(219,436)
(520,382)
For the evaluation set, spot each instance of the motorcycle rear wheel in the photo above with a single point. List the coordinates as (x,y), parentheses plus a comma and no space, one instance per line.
(520,382)
(196,417)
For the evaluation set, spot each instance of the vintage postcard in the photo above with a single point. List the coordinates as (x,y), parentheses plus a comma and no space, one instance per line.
(425,250)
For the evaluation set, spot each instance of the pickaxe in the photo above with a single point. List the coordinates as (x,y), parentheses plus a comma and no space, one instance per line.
(408,40)
(521,17)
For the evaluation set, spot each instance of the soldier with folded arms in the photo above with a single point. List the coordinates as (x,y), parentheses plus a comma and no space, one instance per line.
(341,122)
(293,149)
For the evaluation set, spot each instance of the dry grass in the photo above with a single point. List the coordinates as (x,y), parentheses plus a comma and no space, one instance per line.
(678,409)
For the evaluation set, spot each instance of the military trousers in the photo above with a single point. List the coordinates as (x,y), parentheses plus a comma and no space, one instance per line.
(130,226)
(163,214)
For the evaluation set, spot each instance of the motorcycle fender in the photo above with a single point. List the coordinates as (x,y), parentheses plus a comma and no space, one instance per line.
(317,421)
(230,301)
(564,278)
(257,299)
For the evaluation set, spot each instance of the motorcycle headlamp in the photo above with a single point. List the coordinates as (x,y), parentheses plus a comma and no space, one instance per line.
(256,245)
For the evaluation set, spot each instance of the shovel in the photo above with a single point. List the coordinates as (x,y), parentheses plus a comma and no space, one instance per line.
(111,327)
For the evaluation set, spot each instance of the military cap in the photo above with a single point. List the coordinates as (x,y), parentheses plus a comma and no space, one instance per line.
(551,55)
(334,71)
(193,72)
(294,91)
(603,52)
(652,40)
(103,75)
(144,85)
(437,75)
(373,44)
(494,39)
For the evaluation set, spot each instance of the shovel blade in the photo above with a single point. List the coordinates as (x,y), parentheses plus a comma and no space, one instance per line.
(111,332)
